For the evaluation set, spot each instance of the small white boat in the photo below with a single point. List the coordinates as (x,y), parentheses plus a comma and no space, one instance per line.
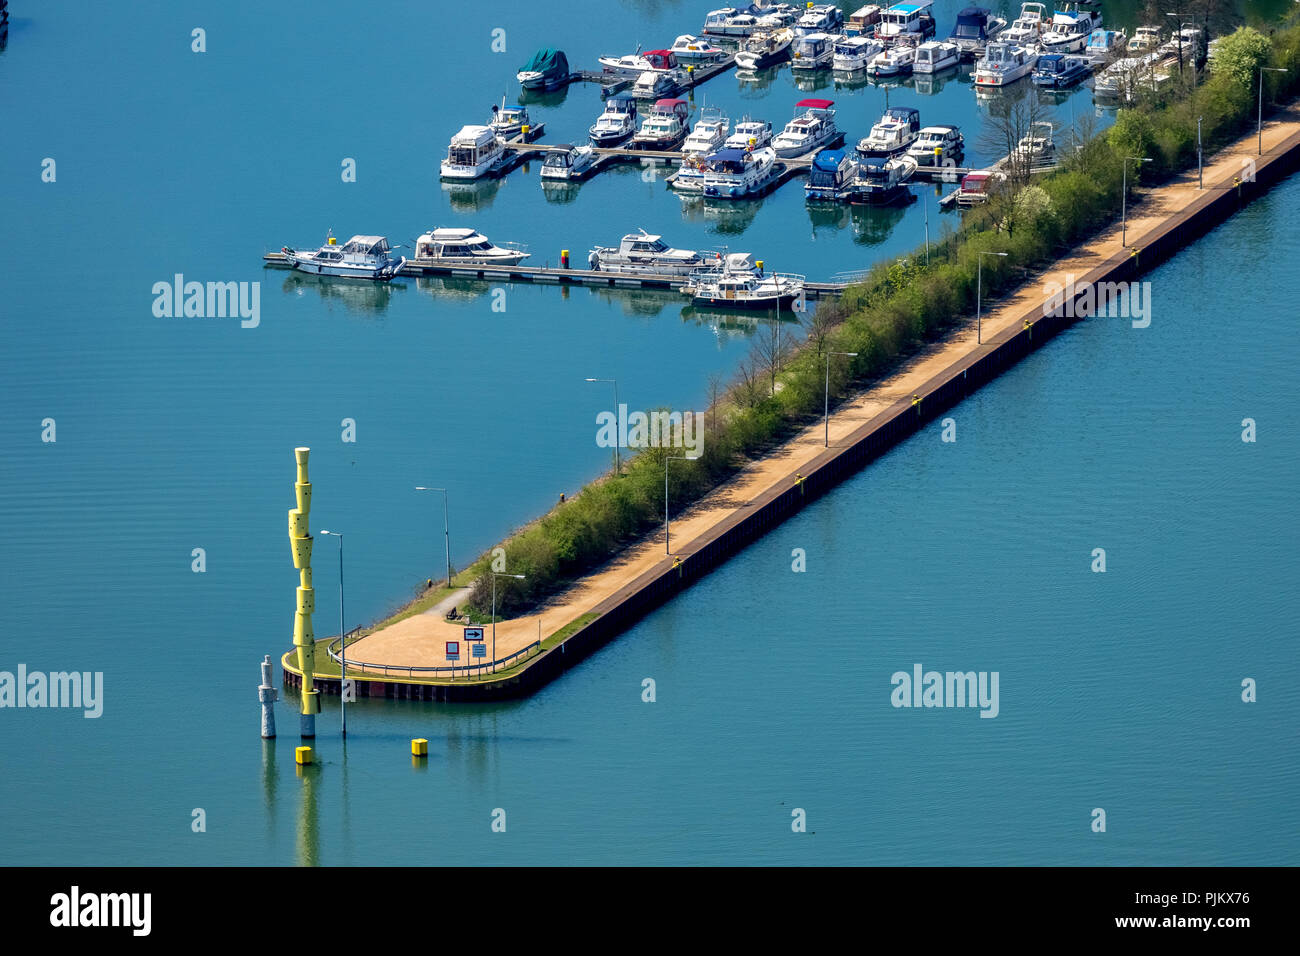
(508,121)
(749,134)
(731,22)
(634,64)
(897,130)
(906,23)
(813,127)
(819,18)
(896,60)
(936,144)
(1104,46)
(361,257)
(1004,63)
(616,124)
(762,50)
(1069,30)
(1145,40)
(568,162)
(854,53)
(737,283)
(664,128)
(640,253)
(696,49)
(710,132)
(1027,28)
(812,51)
(655,85)
(737,173)
(935,55)
(1037,147)
(472,153)
(457,246)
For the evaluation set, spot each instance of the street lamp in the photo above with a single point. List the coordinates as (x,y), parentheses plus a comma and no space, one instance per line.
(1262,71)
(667,459)
(618,469)
(1123,200)
(979,296)
(826,399)
(495,575)
(343,641)
(446,531)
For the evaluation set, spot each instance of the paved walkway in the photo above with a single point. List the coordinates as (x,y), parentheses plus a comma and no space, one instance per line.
(418,640)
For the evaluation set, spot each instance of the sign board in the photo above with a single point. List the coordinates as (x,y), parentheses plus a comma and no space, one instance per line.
(473,634)
(478,650)
(453,650)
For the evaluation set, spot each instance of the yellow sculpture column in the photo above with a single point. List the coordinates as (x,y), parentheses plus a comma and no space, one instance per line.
(304,638)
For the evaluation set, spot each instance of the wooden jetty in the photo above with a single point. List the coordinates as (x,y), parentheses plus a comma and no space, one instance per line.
(611,82)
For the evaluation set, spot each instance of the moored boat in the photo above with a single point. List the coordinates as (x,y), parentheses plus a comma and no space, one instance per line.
(665,128)
(1004,63)
(819,18)
(749,134)
(738,173)
(1027,28)
(710,132)
(616,124)
(896,60)
(737,283)
(882,181)
(548,69)
(634,64)
(508,121)
(1070,28)
(761,50)
(812,51)
(640,253)
(472,153)
(906,23)
(854,53)
(361,257)
(1058,71)
(696,49)
(568,162)
(831,175)
(458,246)
(1104,46)
(935,55)
(938,146)
(898,129)
(862,20)
(974,28)
(813,127)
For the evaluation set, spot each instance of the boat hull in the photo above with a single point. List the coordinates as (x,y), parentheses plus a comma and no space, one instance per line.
(343,271)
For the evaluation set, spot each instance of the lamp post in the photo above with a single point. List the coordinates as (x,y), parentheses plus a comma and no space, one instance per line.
(667,459)
(446,531)
(1260,127)
(343,641)
(979,296)
(1200,156)
(618,465)
(495,575)
(1123,200)
(826,398)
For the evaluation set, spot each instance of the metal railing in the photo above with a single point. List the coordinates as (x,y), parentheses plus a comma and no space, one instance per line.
(485,670)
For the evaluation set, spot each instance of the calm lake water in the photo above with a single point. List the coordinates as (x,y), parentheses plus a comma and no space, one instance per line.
(1118,691)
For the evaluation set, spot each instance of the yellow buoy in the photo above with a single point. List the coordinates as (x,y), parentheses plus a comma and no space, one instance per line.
(302,755)
(419,747)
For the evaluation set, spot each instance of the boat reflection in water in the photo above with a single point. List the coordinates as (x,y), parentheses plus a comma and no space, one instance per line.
(478,194)
(454,287)
(559,192)
(871,225)
(359,298)
(729,218)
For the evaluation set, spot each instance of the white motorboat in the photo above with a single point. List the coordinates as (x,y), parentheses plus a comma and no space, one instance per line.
(710,132)
(937,145)
(737,173)
(616,124)
(819,18)
(361,257)
(906,23)
(1069,29)
(634,64)
(761,50)
(696,49)
(568,162)
(897,130)
(736,282)
(1104,46)
(508,121)
(1004,63)
(854,53)
(457,246)
(862,21)
(813,127)
(882,181)
(749,134)
(664,128)
(896,60)
(655,85)
(812,51)
(640,252)
(472,153)
(933,56)
(733,22)
(1036,147)
(1145,40)
(974,28)
(1027,28)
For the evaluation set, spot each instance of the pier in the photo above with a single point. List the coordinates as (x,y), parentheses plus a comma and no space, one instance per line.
(611,82)
(599,606)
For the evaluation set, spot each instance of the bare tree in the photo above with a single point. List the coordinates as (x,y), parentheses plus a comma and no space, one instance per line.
(769,352)
(748,388)
(1009,123)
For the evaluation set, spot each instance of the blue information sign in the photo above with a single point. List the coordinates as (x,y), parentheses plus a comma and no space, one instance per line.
(479,650)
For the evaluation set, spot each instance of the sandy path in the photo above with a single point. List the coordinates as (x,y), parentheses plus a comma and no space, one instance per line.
(418,641)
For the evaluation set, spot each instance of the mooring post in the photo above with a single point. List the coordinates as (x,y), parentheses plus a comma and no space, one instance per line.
(267,694)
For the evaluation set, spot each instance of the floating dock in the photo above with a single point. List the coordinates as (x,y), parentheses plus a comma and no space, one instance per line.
(611,82)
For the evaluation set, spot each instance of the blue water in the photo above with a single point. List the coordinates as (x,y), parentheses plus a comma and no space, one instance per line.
(1118,691)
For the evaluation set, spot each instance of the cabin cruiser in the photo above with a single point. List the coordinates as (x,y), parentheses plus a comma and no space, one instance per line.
(862,21)
(1058,71)
(1187,43)
(1028,27)
(906,22)
(690,47)
(1123,78)
(709,133)
(761,50)
(1145,40)
(617,123)
(508,121)
(566,161)
(547,70)
(737,173)
(933,56)
(1036,146)
(854,53)
(728,21)
(737,282)
(897,130)
(975,187)
(1069,29)
(361,257)
(1103,46)
(466,247)
(813,127)
(819,18)
(812,51)
(634,64)
(896,60)
(749,134)
(831,175)
(1004,63)
(655,85)
(472,153)
(882,181)
(640,252)
(936,144)
(974,28)
(663,129)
